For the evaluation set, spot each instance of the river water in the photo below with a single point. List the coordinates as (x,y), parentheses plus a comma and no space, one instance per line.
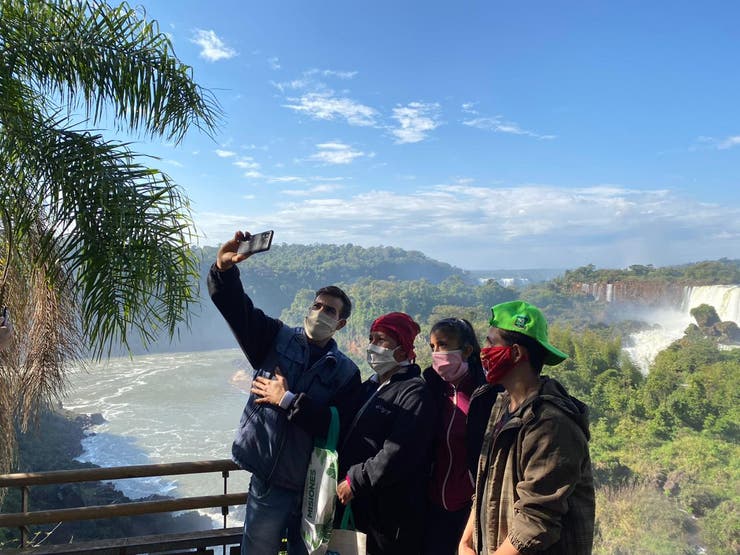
(164,408)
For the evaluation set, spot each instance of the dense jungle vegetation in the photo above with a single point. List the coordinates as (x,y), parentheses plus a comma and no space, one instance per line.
(710,272)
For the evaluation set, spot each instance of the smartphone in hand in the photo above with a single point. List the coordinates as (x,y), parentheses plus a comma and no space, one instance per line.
(258,242)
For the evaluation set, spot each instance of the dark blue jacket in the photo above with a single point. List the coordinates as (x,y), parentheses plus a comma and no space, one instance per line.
(267,443)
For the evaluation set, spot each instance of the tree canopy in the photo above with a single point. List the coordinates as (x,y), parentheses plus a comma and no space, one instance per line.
(94,243)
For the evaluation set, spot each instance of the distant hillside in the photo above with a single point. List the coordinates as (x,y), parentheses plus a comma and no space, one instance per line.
(381,279)
(273,278)
(517,278)
(724,271)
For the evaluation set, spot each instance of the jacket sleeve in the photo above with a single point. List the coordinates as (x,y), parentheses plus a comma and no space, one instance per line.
(314,417)
(409,440)
(254,331)
(552,455)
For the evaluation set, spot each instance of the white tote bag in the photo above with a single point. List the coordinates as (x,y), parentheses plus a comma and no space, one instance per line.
(345,540)
(320,492)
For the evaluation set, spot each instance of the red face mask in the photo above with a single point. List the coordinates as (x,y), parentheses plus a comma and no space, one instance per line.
(497,362)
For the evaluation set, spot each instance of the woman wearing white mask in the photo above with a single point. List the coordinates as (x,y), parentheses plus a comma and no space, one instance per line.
(458,382)
(386,452)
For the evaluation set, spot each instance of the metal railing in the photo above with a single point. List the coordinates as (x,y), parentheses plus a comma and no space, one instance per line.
(27,517)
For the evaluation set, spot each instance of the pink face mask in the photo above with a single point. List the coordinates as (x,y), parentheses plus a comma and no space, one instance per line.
(450,365)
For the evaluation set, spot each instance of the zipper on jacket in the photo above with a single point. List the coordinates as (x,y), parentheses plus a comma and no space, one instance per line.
(283,437)
(449,450)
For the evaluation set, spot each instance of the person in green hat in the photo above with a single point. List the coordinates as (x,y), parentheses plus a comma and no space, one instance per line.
(534,489)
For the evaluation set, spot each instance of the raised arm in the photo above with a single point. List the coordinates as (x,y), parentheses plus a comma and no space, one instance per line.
(253,329)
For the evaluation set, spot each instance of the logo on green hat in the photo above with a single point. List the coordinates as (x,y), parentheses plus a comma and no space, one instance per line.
(520,321)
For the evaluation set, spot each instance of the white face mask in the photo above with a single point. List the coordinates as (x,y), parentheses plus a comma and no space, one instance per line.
(319,326)
(381,359)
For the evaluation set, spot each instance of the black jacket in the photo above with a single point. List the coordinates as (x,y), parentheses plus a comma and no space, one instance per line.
(386,453)
(481,403)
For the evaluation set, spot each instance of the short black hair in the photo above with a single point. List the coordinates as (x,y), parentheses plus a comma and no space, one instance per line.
(535,350)
(334,291)
(463,331)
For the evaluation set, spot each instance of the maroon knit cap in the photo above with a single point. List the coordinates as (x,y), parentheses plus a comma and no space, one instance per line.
(400,327)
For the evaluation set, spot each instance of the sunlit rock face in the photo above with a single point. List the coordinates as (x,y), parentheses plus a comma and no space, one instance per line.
(643,292)
(725,299)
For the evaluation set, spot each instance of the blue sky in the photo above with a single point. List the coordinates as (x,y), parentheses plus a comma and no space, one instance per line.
(489,135)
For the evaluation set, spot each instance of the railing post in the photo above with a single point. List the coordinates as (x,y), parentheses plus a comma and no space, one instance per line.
(225,509)
(24,508)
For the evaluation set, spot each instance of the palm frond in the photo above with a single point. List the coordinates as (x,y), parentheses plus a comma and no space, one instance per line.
(94,244)
(100,58)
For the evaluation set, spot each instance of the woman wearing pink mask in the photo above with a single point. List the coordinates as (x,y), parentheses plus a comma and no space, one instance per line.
(457,379)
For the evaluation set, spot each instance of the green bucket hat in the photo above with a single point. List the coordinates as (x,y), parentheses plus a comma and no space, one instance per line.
(525,318)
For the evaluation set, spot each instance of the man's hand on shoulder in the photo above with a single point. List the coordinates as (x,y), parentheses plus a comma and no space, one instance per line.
(227,255)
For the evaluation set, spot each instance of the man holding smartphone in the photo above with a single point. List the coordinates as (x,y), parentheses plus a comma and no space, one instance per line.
(268,444)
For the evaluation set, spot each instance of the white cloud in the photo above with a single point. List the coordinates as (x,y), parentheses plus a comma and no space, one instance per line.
(335,153)
(528,226)
(212,47)
(294,84)
(310,82)
(325,105)
(247,163)
(729,142)
(253,174)
(714,143)
(225,153)
(334,73)
(285,179)
(416,121)
(175,163)
(317,190)
(498,125)
(274,63)
(469,108)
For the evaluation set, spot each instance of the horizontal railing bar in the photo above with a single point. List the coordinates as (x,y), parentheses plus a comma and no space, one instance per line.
(122,509)
(137,544)
(114,473)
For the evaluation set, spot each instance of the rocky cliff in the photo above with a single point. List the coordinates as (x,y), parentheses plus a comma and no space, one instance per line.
(650,293)
(725,299)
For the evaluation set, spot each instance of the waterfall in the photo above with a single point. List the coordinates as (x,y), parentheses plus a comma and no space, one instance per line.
(724,298)
(646,344)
